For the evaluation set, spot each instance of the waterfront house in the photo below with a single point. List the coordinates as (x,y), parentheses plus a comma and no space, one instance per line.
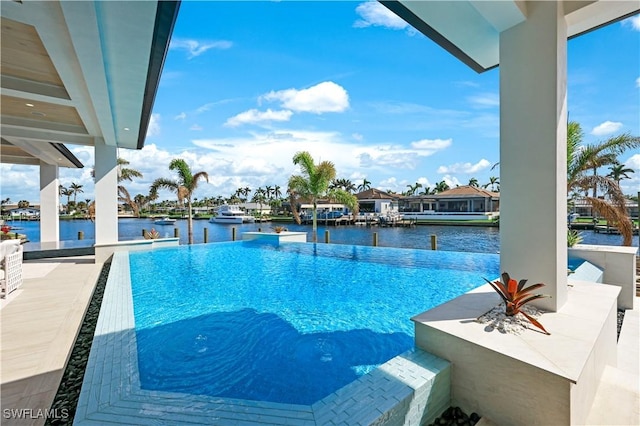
(375,201)
(460,203)
(31,212)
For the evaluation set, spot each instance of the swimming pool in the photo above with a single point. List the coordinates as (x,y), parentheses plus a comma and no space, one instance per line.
(287,324)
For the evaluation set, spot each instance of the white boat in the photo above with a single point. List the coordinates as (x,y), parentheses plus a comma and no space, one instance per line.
(164,221)
(231,214)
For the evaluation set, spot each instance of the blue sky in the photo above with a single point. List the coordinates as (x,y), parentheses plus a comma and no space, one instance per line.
(247,84)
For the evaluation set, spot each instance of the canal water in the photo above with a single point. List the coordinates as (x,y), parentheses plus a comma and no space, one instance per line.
(450,238)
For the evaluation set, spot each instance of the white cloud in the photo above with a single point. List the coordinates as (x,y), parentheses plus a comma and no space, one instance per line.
(205,107)
(465,167)
(466,83)
(20,182)
(633,163)
(357,136)
(630,186)
(633,22)
(638,82)
(431,146)
(154,125)
(485,100)
(196,127)
(375,14)
(196,48)
(606,128)
(180,116)
(452,181)
(324,97)
(253,116)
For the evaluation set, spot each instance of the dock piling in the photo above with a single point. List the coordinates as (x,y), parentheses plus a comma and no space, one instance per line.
(206,235)
(176,232)
(233,233)
(375,239)
(326,236)
(434,242)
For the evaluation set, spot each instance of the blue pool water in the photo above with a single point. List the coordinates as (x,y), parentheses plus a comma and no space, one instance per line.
(574,263)
(287,324)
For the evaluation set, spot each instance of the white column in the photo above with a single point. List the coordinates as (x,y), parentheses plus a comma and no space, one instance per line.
(106,188)
(533,150)
(49,203)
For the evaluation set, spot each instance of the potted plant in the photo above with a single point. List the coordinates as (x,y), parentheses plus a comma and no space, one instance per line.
(515,296)
(279,229)
(151,235)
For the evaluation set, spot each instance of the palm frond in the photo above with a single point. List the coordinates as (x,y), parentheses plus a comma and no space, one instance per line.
(305,161)
(184,172)
(615,217)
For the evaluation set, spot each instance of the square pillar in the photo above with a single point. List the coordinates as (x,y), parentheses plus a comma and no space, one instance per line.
(533,151)
(49,203)
(106,171)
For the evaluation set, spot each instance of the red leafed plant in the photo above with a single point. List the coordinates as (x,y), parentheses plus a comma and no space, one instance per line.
(5,229)
(515,296)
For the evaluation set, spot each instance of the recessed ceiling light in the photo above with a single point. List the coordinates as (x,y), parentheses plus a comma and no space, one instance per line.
(29,105)
(126,128)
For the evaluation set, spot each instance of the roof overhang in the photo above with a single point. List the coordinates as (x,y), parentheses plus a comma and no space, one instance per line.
(470,29)
(77,72)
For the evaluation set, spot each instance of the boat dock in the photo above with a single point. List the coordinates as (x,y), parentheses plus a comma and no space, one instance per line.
(606,229)
(363,220)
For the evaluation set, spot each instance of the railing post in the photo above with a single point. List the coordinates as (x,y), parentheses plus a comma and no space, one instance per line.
(176,232)
(80,235)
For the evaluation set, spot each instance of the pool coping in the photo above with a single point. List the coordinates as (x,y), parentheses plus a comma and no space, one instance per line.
(413,385)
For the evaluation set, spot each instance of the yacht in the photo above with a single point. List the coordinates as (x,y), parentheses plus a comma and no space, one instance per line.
(164,221)
(231,214)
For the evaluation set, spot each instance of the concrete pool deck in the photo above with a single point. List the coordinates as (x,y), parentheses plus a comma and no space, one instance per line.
(40,322)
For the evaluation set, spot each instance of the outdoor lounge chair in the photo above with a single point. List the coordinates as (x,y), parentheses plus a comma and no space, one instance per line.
(10,266)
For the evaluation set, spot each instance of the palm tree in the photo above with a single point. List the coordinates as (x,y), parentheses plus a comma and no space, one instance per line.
(365,185)
(185,186)
(259,197)
(413,188)
(125,198)
(493,181)
(76,188)
(473,182)
(619,172)
(313,184)
(67,192)
(427,191)
(246,191)
(441,187)
(581,160)
(276,192)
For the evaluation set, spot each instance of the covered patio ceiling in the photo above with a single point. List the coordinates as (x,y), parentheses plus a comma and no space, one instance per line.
(73,72)
(470,29)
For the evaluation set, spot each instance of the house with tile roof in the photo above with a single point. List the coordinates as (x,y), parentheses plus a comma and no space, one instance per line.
(460,203)
(375,201)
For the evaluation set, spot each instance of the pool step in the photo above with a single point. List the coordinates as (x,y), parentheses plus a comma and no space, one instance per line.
(620,386)
(411,389)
